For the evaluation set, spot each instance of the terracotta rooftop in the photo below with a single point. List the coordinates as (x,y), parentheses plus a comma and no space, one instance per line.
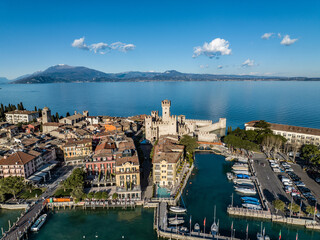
(53,124)
(76,142)
(18,158)
(167,149)
(134,159)
(289,128)
(105,145)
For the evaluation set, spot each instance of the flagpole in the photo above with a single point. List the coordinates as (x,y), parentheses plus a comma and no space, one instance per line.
(315,209)
(247,231)
(190,225)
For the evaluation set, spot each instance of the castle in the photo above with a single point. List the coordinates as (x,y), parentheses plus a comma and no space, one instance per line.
(156,126)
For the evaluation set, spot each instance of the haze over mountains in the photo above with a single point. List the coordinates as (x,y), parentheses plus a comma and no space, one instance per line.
(63,73)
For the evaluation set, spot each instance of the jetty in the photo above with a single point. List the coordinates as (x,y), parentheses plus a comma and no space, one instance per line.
(20,228)
(161,226)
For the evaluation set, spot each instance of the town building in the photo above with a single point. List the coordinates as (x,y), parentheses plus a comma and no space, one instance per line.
(21,116)
(167,161)
(293,134)
(76,118)
(46,115)
(75,151)
(127,170)
(19,164)
(156,126)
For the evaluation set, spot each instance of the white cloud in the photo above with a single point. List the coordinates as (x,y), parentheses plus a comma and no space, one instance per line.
(98,47)
(79,43)
(102,47)
(220,67)
(248,63)
(215,48)
(122,47)
(287,41)
(267,35)
(204,66)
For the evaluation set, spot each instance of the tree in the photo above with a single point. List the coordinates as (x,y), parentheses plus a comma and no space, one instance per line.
(104,195)
(189,142)
(262,124)
(68,114)
(75,180)
(310,210)
(294,208)
(90,195)
(152,150)
(114,196)
(310,153)
(98,195)
(278,204)
(11,185)
(77,193)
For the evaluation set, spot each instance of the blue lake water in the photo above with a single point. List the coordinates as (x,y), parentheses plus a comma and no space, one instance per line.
(296,103)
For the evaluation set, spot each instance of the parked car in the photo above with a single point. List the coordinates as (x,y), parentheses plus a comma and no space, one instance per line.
(276,169)
(289,170)
(299,184)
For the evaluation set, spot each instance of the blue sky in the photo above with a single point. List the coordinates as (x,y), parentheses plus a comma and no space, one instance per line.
(161,35)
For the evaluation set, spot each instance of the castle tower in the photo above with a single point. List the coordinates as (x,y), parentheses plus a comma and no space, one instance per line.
(46,115)
(166,104)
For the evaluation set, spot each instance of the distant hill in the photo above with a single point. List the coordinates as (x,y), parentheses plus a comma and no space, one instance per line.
(65,74)
(4,80)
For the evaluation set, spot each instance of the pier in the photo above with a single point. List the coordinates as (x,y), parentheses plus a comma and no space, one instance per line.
(161,226)
(20,228)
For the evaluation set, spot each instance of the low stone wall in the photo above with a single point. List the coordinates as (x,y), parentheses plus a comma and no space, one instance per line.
(13,206)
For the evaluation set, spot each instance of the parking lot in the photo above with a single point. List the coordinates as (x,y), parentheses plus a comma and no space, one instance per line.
(271,186)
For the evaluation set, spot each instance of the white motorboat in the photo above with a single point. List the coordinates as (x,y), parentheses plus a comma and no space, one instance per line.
(241,168)
(240,181)
(196,227)
(251,206)
(38,224)
(247,191)
(176,222)
(174,218)
(229,175)
(242,172)
(178,209)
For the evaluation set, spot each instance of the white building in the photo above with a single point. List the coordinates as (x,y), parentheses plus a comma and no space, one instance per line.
(156,126)
(22,116)
(294,135)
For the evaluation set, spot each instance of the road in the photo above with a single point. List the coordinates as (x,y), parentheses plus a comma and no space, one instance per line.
(26,220)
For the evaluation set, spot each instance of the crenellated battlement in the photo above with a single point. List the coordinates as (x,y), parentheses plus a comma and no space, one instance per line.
(167,124)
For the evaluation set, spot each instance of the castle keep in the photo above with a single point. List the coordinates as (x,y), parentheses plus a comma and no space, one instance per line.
(156,126)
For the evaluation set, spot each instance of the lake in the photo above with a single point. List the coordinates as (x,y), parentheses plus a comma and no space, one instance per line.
(295,103)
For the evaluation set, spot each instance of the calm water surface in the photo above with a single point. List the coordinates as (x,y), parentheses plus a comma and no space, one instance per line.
(296,103)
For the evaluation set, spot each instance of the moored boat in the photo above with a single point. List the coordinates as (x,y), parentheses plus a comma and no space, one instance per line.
(250,199)
(251,206)
(173,218)
(246,191)
(38,223)
(176,222)
(229,175)
(196,227)
(178,209)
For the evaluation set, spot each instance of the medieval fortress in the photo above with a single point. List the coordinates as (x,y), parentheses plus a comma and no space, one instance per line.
(156,126)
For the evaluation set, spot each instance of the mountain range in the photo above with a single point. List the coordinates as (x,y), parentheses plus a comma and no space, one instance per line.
(63,73)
